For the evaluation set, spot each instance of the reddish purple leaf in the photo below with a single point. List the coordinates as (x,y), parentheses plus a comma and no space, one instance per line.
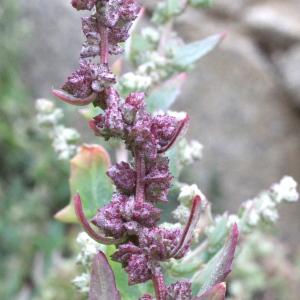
(218,268)
(103,283)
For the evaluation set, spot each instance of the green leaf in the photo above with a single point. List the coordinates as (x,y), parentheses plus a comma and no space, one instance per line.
(218,267)
(217,235)
(190,53)
(103,284)
(165,95)
(90,111)
(217,292)
(88,178)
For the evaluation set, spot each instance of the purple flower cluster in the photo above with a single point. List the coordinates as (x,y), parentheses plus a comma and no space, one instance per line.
(130,220)
(104,30)
(181,290)
(140,184)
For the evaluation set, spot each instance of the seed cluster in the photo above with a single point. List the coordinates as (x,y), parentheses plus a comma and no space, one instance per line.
(131,216)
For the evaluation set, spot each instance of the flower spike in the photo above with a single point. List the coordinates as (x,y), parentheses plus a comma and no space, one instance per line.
(70,99)
(87,227)
(189,227)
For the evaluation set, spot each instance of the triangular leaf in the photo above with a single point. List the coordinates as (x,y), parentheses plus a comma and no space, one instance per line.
(165,95)
(190,53)
(103,284)
(218,267)
(88,178)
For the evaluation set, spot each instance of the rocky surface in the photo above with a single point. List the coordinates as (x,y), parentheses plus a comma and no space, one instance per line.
(288,65)
(274,24)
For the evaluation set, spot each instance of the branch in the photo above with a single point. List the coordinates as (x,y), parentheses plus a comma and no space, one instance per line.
(159,285)
(140,175)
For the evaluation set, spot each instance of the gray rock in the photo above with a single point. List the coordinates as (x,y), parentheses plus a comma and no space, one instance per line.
(275,24)
(289,65)
(229,8)
(52,49)
(249,134)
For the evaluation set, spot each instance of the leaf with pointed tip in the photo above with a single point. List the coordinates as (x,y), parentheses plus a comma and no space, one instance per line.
(165,95)
(218,267)
(66,215)
(217,292)
(103,283)
(88,178)
(190,53)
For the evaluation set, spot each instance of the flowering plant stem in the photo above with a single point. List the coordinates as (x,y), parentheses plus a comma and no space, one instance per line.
(130,220)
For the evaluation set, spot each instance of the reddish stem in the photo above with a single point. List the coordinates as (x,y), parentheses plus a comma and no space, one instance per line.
(159,285)
(189,227)
(68,98)
(87,227)
(103,44)
(140,175)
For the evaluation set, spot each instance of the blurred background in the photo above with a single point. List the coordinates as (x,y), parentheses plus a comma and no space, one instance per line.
(244,102)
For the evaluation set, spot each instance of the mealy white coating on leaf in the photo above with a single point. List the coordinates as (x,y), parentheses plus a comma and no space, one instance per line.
(232,219)
(64,140)
(187,194)
(264,207)
(167,225)
(151,34)
(285,190)
(133,81)
(179,115)
(47,113)
(181,213)
(82,282)
(189,152)
(89,248)
(44,106)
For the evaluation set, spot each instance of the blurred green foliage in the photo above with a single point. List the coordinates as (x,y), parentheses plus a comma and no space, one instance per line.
(30,175)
